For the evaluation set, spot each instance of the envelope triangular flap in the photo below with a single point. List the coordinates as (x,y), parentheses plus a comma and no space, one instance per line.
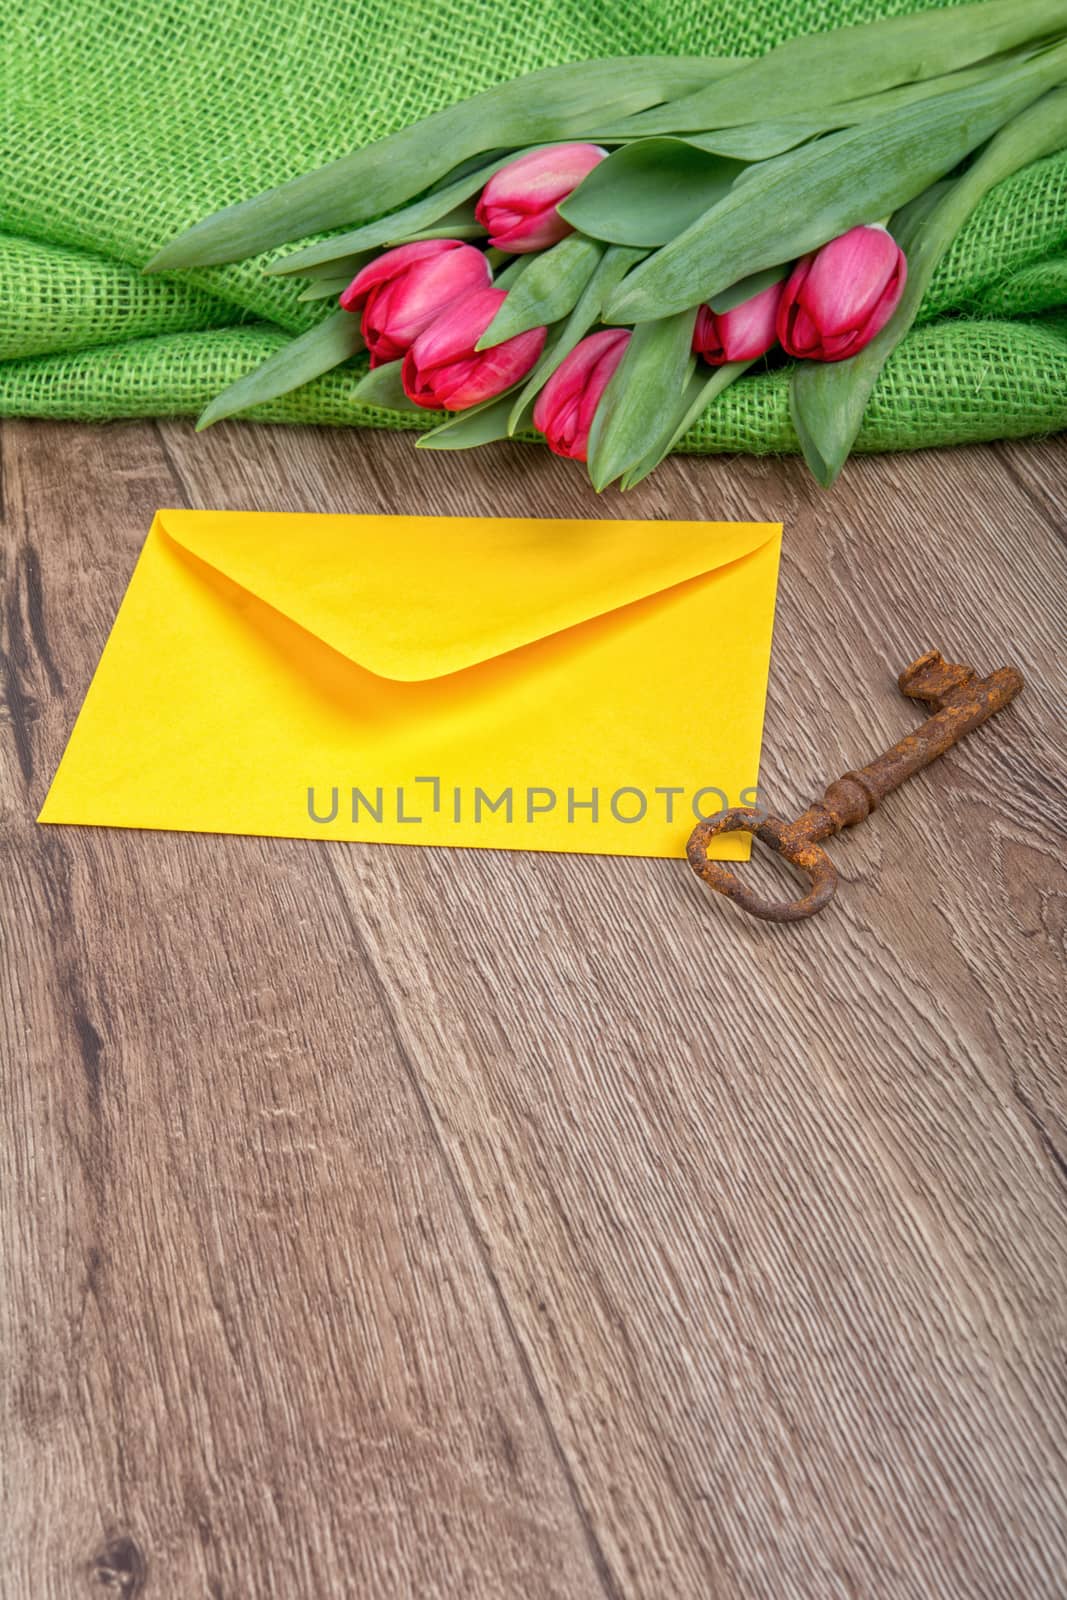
(412,598)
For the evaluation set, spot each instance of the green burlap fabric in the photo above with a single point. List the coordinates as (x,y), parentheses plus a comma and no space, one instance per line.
(121,121)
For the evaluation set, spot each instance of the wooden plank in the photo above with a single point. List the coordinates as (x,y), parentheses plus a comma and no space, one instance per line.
(249,1341)
(1036,465)
(778,1213)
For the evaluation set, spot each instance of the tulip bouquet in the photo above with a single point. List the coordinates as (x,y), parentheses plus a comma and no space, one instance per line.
(600,249)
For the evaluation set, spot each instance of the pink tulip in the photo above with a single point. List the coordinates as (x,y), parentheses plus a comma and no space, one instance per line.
(567,404)
(839,297)
(443,371)
(401,292)
(518,204)
(742,334)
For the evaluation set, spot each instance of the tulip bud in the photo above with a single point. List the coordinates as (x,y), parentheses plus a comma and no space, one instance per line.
(567,404)
(401,292)
(839,297)
(443,371)
(742,334)
(518,204)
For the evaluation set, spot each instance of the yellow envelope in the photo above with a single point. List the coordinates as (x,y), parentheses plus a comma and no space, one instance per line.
(523,684)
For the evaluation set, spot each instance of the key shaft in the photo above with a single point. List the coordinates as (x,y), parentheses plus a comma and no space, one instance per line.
(963,701)
(960,701)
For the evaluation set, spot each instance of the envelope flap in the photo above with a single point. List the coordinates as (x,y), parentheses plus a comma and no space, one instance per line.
(413,597)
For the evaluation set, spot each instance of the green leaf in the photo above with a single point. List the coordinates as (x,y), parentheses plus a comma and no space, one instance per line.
(457,224)
(758,141)
(324,289)
(798,201)
(828,399)
(472,164)
(647,192)
(700,391)
(614,264)
(510,274)
(748,288)
(906,224)
(761,141)
(341,266)
(324,346)
(400,227)
(482,424)
(823,69)
(381,386)
(548,290)
(644,386)
(556,103)
(455,230)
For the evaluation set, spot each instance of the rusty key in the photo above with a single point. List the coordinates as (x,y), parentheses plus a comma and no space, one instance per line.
(959,700)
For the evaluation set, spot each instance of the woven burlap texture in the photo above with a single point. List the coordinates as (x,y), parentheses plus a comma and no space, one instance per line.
(122,122)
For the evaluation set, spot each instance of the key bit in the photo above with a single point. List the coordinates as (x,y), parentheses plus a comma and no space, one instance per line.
(959,700)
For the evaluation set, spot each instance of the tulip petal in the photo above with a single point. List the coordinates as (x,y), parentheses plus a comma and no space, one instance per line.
(829,310)
(385,268)
(540,180)
(804,333)
(405,289)
(529,234)
(442,368)
(494,370)
(598,380)
(848,278)
(567,404)
(453,333)
(518,204)
(749,330)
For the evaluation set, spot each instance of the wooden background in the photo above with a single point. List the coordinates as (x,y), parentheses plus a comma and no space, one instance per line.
(385,1222)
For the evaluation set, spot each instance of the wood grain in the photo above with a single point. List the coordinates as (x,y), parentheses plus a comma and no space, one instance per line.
(382,1222)
(250,1342)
